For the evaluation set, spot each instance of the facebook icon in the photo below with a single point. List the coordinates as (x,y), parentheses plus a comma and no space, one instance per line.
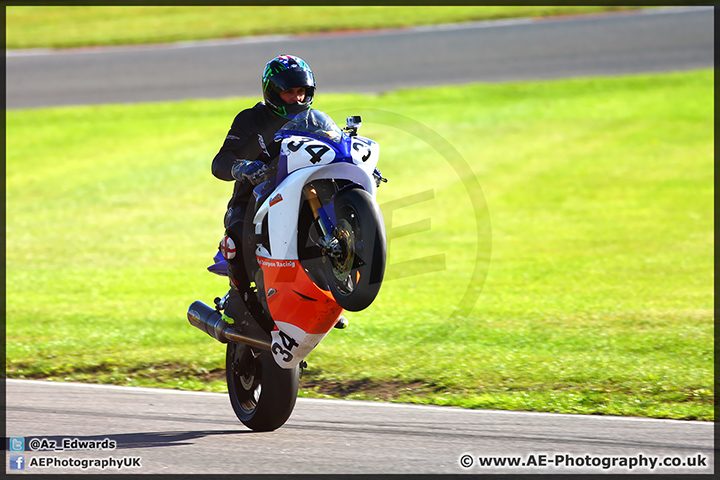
(17,462)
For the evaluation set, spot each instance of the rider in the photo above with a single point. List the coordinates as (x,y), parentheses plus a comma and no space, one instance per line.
(288,88)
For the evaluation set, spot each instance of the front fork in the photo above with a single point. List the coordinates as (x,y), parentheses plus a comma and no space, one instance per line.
(328,242)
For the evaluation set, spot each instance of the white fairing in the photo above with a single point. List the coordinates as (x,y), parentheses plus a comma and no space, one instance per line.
(285,199)
(306,343)
(365,152)
(305,152)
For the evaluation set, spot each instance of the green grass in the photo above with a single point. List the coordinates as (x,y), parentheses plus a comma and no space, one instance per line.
(74,26)
(559,236)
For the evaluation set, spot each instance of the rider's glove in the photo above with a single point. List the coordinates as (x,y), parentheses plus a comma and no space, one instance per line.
(253,172)
(378,177)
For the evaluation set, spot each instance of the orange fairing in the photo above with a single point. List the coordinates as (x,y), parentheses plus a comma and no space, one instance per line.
(293,298)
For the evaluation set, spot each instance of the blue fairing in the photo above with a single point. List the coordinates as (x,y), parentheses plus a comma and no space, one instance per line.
(319,126)
(220,265)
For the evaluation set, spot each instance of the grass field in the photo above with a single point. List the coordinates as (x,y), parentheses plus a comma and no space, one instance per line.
(558,234)
(75,26)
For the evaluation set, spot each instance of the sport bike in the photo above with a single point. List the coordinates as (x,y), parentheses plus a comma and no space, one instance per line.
(317,248)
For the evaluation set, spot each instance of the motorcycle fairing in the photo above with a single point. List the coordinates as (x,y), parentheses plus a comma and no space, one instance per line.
(283,216)
(282,337)
(302,311)
(220,265)
(301,152)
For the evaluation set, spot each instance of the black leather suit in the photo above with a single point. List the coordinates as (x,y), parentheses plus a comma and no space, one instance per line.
(249,138)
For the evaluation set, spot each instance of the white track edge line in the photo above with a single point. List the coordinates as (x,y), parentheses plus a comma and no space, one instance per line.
(356,402)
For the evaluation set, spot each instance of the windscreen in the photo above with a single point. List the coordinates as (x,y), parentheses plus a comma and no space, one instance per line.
(317,123)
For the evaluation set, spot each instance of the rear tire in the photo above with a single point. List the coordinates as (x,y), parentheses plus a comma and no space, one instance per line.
(261,393)
(355,277)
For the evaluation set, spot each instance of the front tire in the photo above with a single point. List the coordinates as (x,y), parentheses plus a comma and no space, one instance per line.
(261,393)
(355,276)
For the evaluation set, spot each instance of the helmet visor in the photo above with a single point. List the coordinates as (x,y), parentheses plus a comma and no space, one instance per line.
(293,78)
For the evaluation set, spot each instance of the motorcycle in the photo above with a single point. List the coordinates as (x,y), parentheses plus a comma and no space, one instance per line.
(318,248)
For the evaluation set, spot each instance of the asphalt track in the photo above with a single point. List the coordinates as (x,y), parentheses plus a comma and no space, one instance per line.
(197,432)
(187,432)
(521,49)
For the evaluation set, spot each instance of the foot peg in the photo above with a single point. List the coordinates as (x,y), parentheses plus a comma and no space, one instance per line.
(342,323)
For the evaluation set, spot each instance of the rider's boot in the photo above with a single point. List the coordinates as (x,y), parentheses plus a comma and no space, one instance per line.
(246,292)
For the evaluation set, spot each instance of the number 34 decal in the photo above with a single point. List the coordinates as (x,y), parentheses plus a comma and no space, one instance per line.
(288,343)
(316,151)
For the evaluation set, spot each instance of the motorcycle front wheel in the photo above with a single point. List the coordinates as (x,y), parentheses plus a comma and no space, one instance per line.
(261,393)
(355,275)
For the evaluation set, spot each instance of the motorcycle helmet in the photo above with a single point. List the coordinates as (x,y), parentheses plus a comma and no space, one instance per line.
(282,73)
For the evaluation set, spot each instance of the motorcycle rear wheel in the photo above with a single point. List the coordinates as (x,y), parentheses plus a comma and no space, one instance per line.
(355,277)
(261,393)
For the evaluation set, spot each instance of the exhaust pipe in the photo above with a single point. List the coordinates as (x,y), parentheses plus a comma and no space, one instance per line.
(210,321)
